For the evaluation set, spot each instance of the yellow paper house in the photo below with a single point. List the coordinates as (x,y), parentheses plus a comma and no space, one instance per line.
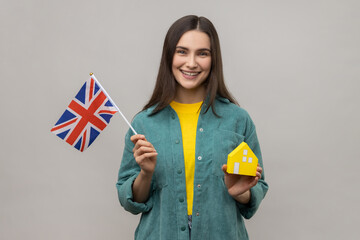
(242,161)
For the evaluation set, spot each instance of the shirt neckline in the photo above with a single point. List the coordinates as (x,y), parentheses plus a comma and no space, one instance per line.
(186,107)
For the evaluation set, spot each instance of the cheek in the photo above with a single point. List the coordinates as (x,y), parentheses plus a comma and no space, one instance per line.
(206,65)
(176,62)
(174,69)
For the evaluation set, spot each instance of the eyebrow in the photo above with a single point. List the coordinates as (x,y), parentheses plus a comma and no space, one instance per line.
(201,49)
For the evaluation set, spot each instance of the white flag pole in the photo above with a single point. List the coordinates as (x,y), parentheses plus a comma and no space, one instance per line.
(108,96)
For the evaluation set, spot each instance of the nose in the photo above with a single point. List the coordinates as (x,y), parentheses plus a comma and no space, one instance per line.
(191,61)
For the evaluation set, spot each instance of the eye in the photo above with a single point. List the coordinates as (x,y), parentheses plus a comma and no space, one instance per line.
(204,53)
(181,51)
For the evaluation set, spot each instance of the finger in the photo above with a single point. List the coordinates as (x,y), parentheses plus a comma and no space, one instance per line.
(142,150)
(258,172)
(140,159)
(140,143)
(150,154)
(224,168)
(255,181)
(136,137)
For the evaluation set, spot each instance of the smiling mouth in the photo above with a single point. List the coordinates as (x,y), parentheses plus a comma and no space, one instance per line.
(190,73)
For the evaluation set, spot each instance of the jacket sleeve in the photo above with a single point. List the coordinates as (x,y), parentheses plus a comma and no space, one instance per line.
(128,172)
(259,191)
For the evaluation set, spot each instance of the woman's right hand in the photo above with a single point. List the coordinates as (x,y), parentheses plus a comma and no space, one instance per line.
(144,154)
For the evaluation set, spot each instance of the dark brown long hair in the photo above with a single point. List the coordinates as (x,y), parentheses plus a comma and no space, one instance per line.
(165,87)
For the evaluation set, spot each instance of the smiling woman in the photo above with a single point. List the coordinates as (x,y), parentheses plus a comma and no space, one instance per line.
(174,171)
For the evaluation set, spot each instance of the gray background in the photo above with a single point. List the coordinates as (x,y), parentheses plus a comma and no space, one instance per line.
(294,65)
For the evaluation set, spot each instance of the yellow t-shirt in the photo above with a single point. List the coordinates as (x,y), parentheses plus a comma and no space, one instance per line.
(188,115)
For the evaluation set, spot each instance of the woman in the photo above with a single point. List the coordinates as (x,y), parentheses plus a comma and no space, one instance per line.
(174,172)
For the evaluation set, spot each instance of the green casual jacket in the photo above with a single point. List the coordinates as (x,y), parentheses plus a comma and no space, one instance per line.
(216,215)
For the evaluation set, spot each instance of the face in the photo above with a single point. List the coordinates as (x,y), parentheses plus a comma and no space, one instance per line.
(192,64)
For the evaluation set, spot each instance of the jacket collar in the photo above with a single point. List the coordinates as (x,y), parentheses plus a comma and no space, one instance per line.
(222,99)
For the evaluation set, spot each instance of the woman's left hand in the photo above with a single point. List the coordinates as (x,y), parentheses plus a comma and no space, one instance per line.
(239,185)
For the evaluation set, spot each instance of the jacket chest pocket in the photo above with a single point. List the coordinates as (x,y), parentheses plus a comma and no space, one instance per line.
(224,143)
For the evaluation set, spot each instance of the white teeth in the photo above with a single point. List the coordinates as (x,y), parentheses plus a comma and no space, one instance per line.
(190,73)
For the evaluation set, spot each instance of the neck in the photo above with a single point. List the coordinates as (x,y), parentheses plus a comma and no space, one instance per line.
(190,95)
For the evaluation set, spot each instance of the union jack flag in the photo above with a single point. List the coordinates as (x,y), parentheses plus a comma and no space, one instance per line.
(86,116)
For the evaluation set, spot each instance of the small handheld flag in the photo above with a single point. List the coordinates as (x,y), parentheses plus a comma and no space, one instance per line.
(86,116)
